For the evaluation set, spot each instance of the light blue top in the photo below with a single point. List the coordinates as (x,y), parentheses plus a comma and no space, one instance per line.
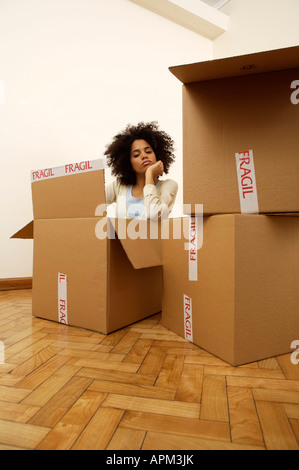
(135,206)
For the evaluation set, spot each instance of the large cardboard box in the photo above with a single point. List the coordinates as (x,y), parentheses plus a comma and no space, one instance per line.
(240,133)
(244,305)
(80,276)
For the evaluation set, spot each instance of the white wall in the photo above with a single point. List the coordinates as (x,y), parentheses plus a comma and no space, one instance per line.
(258,25)
(75,73)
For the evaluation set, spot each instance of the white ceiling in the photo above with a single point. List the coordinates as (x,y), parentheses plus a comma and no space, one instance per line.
(201,16)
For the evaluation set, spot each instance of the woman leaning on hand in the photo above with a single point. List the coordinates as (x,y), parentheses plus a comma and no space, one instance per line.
(138,157)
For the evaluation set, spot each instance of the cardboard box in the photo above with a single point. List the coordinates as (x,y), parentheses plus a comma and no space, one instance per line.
(244,108)
(78,278)
(244,305)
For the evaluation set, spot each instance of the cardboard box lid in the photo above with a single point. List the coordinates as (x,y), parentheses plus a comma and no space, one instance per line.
(143,251)
(261,62)
(70,191)
(26,233)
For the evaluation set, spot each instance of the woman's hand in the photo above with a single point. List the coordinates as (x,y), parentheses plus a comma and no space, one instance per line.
(153,172)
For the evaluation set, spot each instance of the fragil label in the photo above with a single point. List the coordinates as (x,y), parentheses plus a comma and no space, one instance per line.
(192,249)
(62,298)
(247,182)
(188,326)
(69,169)
(195,241)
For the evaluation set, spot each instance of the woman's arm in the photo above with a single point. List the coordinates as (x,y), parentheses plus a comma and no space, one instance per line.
(158,202)
(112,191)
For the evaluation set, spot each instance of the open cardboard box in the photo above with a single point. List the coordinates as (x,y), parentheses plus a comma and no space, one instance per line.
(240,133)
(244,305)
(80,276)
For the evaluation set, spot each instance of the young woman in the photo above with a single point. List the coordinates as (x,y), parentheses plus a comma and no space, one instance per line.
(138,157)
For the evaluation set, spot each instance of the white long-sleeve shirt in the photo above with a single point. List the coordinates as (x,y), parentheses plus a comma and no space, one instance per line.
(158,200)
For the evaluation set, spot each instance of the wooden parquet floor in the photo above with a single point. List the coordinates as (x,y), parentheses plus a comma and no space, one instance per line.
(142,387)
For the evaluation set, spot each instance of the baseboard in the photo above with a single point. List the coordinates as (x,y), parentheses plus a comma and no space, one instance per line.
(16,283)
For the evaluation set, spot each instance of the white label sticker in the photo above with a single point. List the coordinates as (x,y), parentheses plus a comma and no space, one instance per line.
(69,169)
(193,233)
(62,298)
(195,243)
(247,182)
(188,327)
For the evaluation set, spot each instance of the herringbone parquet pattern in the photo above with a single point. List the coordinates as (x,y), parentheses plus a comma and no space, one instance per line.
(142,387)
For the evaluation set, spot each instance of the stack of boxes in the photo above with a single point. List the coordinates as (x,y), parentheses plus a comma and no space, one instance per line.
(235,290)
(241,161)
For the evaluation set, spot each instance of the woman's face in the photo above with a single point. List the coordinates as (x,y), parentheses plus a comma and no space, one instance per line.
(142,156)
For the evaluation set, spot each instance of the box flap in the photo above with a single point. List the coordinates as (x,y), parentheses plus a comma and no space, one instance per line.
(140,240)
(25,232)
(70,191)
(268,61)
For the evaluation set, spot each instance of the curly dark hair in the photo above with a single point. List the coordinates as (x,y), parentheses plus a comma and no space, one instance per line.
(118,152)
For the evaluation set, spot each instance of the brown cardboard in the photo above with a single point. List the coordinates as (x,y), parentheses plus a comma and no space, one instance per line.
(107,288)
(133,292)
(69,246)
(26,233)
(233,105)
(70,196)
(247,64)
(245,303)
